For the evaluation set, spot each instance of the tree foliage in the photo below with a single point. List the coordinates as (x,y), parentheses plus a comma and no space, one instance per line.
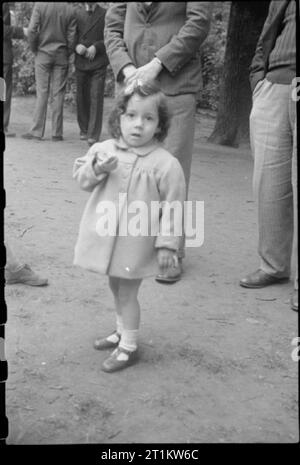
(235,102)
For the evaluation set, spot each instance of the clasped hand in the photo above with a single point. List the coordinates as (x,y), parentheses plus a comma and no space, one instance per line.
(146,73)
(89,52)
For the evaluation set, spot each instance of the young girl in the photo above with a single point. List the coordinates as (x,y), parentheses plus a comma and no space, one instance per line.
(121,233)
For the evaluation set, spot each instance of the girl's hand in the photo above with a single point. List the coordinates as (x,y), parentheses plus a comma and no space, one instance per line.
(166,259)
(105,163)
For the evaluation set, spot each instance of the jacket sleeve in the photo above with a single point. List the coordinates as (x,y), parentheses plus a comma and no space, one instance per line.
(257,67)
(172,189)
(99,44)
(113,37)
(185,44)
(33,28)
(100,47)
(84,173)
(71,31)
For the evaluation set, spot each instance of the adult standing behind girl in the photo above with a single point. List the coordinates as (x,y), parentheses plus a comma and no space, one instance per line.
(161,41)
(134,164)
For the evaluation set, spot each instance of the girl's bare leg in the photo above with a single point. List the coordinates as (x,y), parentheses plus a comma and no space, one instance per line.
(114,284)
(128,302)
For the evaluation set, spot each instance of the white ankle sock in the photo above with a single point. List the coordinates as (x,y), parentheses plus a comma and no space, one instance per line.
(129,339)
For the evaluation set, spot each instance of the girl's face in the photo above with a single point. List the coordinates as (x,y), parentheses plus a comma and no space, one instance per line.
(139,123)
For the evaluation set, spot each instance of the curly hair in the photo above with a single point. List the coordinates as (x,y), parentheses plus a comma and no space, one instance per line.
(142,90)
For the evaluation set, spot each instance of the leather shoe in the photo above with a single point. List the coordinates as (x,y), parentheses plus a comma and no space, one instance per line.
(9,134)
(259,279)
(294,300)
(119,359)
(57,138)
(91,142)
(105,343)
(24,275)
(30,136)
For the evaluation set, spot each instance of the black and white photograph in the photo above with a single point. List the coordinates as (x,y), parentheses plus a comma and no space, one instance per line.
(150,226)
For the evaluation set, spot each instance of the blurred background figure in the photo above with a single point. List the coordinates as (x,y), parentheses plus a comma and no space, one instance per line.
(10,31)
(51,36)
(90,62)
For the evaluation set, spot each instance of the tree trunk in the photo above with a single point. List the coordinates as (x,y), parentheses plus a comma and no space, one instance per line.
(245,25)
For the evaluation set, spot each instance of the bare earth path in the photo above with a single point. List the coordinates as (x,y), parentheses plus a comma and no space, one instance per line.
(216,361)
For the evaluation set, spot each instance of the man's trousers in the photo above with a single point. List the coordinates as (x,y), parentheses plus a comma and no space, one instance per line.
(90,95)
(274,147)
(50,70)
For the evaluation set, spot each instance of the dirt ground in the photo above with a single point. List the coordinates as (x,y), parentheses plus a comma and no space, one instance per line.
(216,364)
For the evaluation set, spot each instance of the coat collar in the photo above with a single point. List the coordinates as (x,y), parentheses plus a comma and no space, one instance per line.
(146,11)
(139,151)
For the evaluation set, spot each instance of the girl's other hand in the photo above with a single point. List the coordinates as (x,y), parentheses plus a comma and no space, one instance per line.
(166,259)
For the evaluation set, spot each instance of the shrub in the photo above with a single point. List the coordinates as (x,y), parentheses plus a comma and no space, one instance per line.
(212,56)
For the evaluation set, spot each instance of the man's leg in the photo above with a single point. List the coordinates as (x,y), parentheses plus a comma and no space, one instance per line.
(180,139)
(82,100)
(7,74)
(59,82)
(179,142)
(293,119)
(272,145)
(96,104)
(42,79)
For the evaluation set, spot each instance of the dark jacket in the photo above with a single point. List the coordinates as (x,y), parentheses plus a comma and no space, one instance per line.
(172,31)
(52,28)
(266,42)
(89,31)
(9,33)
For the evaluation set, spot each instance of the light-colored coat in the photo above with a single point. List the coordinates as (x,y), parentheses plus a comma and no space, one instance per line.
(144,174)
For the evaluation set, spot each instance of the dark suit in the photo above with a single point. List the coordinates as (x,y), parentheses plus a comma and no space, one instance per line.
(9,33)
(90,74)
(51,36)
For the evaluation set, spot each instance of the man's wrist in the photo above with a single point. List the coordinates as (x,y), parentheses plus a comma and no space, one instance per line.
(157,61)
